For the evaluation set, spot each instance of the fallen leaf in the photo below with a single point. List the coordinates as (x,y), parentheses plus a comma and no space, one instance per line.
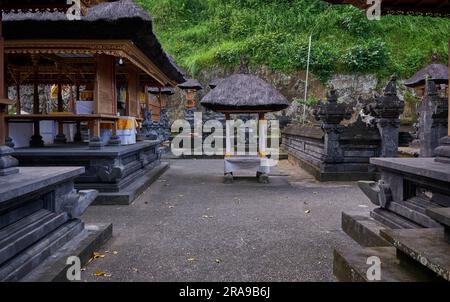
(218,260)
(115,252)
(181,195)
(98,255)
(171,207)
(135,270)
(102,274)
(307,211)
(191,259)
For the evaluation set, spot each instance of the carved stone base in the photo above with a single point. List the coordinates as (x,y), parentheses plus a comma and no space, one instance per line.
(95,143)
(78,137)
(38,217)
(8,164)
(114,141)
(443,151)
(36,141)
(110,170)
(9,142)
(60,139)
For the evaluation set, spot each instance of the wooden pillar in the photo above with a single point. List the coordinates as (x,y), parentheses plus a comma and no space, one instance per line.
(36,139)
(228,144)
(60,137)
(447,88)
(132,96)
(105,101)
(262,134)
(18,103)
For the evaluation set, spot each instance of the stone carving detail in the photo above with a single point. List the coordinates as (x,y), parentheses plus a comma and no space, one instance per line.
(76,203)
(164,126)
(386,110)
(332,114)
(379,192)
(433,115)
(8,164)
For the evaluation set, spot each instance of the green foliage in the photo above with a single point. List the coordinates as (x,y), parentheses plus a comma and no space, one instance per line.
(206,33)
(367,57)
(309,102)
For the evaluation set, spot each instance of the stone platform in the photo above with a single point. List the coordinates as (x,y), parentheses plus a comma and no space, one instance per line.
(409,229)
(39,218)
(119,173)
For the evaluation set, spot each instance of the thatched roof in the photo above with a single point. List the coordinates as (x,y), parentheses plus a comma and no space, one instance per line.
(116,20)
(191,84)
(162,90)
(244,92)
(213,84)
(437,72)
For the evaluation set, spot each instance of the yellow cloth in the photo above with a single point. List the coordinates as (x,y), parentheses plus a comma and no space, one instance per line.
(125,124)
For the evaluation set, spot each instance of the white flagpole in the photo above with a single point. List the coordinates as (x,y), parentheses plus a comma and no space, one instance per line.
(307,78)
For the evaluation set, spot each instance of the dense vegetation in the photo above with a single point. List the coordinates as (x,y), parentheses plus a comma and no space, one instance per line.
(206,33)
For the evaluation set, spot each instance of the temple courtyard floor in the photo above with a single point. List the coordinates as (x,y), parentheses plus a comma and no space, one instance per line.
(190,226)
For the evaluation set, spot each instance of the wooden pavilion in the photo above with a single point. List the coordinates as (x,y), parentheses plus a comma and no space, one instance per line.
(40,210)
(112,54)
(409,231)
(112,46)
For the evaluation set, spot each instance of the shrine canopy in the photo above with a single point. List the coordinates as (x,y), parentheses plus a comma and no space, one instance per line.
(244,93)
(162,90)
(435,71)
(191,84)
(435,7)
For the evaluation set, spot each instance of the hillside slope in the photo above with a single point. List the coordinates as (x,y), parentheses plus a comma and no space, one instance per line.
(206,33)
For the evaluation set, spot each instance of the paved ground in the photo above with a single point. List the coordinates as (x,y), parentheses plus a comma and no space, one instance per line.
(189,226)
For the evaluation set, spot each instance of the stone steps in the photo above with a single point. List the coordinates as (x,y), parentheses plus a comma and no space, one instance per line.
(351,265)
(392,220)
(414,212)
(425,247)
(27,231)
(363,229)
(16,268)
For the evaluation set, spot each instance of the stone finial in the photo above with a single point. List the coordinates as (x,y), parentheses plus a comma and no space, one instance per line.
(388,105)
(391,87)
(332,112)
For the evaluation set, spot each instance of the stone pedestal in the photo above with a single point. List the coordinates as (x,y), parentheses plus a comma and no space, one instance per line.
(39,218)
(332,114)
(386,110)
(8,164)
(95,143)
(36,141)
(443,151)
(389,130)
(60,139)
(114,141)
(119,173)
(433,120)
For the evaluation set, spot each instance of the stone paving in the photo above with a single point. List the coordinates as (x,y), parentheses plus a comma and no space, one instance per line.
(189,226)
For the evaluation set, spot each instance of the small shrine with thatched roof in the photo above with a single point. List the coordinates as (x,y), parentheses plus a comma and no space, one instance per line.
(248,94)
